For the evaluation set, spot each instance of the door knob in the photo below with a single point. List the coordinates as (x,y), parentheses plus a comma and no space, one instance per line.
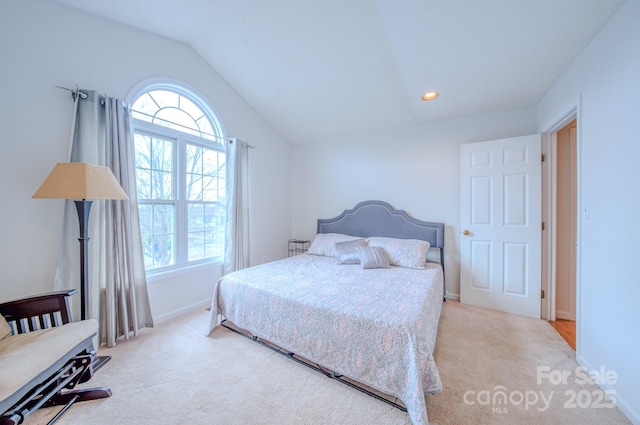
(466,233)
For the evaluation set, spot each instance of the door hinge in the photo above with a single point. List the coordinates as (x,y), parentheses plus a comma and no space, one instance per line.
(543,225)
(543,157)
(542,294)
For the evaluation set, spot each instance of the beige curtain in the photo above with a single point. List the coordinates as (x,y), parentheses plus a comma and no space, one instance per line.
(117,284)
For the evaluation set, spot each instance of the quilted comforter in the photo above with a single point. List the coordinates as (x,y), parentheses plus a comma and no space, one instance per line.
(376,326)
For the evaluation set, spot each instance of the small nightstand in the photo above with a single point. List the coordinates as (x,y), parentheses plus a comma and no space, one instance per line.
(297,246)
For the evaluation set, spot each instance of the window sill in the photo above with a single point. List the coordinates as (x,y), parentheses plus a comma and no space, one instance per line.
(166,274)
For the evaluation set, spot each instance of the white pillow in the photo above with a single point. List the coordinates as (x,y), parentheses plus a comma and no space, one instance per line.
(347,253)
(411,253)
(373,257)
(5,329)
(324,243)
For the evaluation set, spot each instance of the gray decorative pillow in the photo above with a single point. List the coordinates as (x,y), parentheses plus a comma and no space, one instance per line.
(5,329)
(346,251)
(373,257)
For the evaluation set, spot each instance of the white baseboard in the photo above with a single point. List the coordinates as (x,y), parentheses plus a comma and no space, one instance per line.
(622,404)
(181,311)
(564,315)
(451,296)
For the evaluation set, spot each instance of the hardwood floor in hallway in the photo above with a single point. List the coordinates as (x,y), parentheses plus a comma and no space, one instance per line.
(567,329)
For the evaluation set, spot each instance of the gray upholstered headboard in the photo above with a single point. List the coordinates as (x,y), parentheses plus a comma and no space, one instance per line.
(378,218)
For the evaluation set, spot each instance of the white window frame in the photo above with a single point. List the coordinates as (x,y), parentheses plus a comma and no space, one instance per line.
(179,165)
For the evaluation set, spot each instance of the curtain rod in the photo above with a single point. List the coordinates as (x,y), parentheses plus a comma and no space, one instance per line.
(243,142)
(76,92)
(215,136)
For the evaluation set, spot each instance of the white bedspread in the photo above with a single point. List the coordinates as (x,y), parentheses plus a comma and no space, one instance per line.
(377,326)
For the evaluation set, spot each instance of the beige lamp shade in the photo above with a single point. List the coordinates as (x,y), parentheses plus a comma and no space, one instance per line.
(79,180)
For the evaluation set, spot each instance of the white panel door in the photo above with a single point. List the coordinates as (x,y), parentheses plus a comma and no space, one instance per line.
(500,221)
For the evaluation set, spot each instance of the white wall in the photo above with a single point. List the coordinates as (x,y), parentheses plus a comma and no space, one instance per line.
(43,44)
(605,79)
(415,169)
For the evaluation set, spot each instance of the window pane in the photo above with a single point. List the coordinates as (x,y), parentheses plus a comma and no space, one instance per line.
(194,173)
(196,246)
(210,189)
(170,109)
(162,249)
(156,228)
(214,244)
(211,162)
(147,251)
(146,219)
(214,166)
(178,120)
(143,151)
(163,252)
(206,185)
(191,108)
(196,232)
(222,181)
(144,108)
(163,219)
(154,167)
(207,129)
(162,185)
(196,217)
(162,154)
(206,231)
(194,159)
(142,145)
(164,98)
(214,227)
(143,183)
(194,187)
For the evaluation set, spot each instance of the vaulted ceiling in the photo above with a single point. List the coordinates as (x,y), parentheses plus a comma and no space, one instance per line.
(318,70)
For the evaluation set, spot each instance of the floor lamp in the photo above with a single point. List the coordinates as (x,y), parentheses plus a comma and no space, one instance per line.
(83,183)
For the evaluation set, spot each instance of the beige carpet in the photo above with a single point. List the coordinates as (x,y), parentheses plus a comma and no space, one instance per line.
(174,374)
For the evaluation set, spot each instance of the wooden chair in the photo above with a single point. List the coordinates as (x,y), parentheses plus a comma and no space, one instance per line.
(55,384)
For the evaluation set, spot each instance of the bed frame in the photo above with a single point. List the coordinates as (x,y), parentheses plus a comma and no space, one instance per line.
(378,218)
(366,219)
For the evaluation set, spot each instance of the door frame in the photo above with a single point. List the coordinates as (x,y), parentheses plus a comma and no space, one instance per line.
(549,184)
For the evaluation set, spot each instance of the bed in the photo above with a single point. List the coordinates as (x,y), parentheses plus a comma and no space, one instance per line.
(376,325)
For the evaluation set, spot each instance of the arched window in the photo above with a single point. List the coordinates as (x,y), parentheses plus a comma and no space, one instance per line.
(180,177)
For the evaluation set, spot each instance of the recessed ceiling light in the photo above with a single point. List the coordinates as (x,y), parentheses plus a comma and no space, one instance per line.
(430,95)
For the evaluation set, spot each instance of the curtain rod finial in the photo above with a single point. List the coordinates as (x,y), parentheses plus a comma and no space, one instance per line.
(75,92)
